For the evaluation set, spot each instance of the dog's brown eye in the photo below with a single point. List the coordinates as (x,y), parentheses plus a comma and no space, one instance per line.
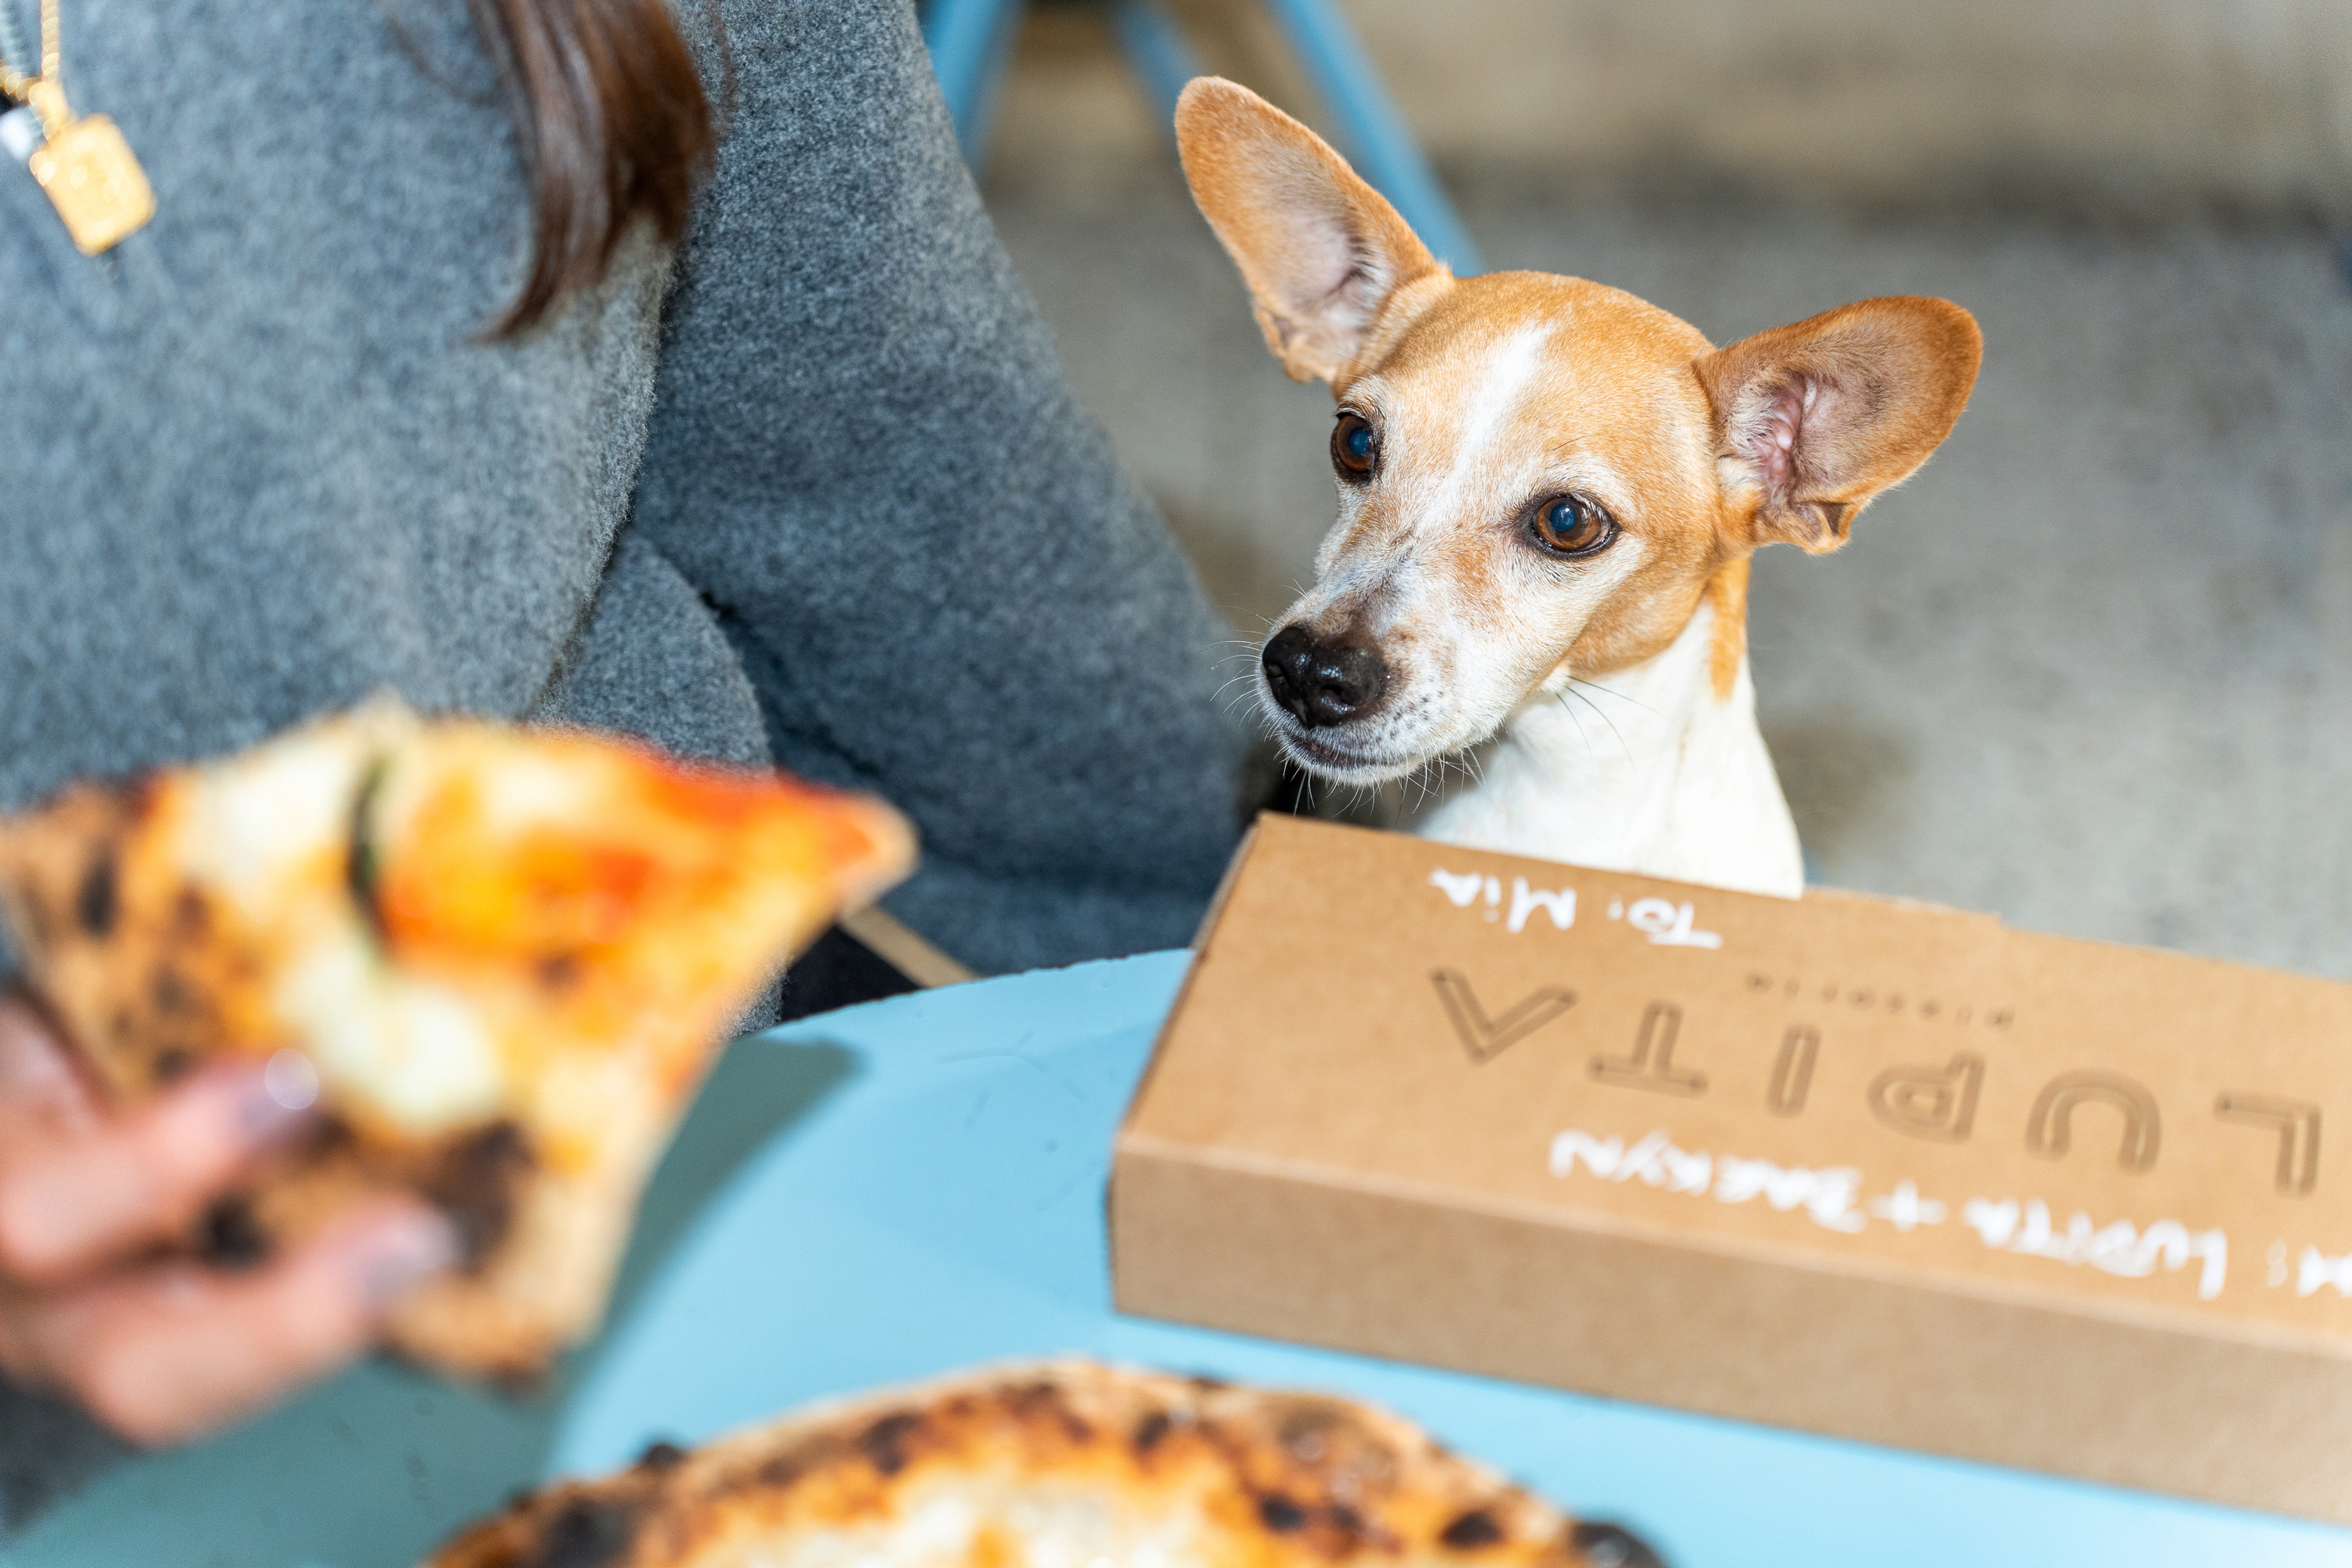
(1354,447)
(1571,525)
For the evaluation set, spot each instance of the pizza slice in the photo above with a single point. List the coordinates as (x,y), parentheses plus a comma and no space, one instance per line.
(508,954)
(1071,1463)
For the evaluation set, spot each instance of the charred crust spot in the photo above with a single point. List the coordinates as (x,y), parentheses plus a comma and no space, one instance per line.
(1030,1397)
(232,1237)
(98,901)
(559,972)
(1281,1515)
(1151,1431)
(170,993)
(884,1444)
(362,874)
(1207,1384)
(661,1456)
(1475,1528)
(781,1470)
(777,1472)
(191,915)
(477,1185)
(1046,1401)
(586,1533)
(171,1064)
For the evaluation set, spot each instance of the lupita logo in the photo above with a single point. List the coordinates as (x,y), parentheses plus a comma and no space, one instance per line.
(1937,1103)
(1484,1038)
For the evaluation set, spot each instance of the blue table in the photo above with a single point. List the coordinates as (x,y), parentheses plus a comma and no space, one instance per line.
(886,1193)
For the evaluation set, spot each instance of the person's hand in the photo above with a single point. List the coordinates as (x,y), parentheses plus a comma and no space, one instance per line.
(160,1348)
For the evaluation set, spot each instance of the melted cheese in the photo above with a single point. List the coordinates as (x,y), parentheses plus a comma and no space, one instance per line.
(273,821)
(414,1054)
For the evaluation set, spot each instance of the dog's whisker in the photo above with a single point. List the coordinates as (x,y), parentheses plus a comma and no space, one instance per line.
(1598,714)
(1433,778)
(1580,681)
(1561,698)
(1604,718)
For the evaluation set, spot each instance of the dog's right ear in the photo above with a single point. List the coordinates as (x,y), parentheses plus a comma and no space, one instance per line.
(1814,420)
(1321,250)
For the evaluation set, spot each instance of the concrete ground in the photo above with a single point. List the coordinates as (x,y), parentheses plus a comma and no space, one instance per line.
(2092,669)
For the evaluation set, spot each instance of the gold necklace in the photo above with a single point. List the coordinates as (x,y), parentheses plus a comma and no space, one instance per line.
(95,183)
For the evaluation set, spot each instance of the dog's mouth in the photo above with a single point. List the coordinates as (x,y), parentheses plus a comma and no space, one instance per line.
(1316,752)
(1371,751)
(1322,755)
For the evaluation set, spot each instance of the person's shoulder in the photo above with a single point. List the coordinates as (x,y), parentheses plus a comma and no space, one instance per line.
(818,39)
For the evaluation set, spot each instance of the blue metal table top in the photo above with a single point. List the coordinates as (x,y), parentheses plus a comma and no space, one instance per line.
(884,1194)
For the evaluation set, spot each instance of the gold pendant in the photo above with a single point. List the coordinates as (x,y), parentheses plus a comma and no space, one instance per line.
(95,183)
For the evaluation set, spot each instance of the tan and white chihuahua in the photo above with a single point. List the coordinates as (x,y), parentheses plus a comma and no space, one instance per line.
(1546,483)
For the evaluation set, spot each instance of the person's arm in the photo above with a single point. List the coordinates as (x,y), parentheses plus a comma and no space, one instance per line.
(864,455)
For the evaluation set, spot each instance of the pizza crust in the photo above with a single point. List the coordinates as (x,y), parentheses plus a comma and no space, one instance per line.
(1066,1464)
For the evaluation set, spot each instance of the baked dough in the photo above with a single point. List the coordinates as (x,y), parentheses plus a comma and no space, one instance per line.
(507,955)
(1070,1463)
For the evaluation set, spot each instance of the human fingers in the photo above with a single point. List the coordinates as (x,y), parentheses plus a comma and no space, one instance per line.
(40,1092)
(170,1352)
(71,1202)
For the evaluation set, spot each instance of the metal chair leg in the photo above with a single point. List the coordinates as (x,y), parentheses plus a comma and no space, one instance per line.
(970,40)
(1377,138)
(970,43)
(1157,52)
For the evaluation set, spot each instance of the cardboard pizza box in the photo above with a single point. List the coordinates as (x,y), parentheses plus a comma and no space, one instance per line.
(1857,1165)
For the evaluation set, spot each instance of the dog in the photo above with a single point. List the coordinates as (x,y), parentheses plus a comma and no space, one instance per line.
(1549,491)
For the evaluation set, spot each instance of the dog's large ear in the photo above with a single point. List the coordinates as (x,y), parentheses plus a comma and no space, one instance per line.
(1815,419)
(1321,250)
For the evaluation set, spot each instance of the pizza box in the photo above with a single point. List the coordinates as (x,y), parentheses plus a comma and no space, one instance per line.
(1855,1165)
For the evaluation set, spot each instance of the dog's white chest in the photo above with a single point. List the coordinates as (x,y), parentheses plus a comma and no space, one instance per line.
(1646,770)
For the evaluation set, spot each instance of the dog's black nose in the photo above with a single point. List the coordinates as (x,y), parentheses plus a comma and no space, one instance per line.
(1612,1546)
(1321,683)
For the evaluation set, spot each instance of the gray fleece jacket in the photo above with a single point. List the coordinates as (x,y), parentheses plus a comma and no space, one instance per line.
(810,490)
(827,501)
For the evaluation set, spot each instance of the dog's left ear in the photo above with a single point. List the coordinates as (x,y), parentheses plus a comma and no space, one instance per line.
(1814,420)
(1321,251)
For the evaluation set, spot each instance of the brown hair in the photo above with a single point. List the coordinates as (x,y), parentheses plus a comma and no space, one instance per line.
(613,125)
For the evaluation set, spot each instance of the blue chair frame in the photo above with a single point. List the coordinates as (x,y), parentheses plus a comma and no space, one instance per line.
(970,42)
